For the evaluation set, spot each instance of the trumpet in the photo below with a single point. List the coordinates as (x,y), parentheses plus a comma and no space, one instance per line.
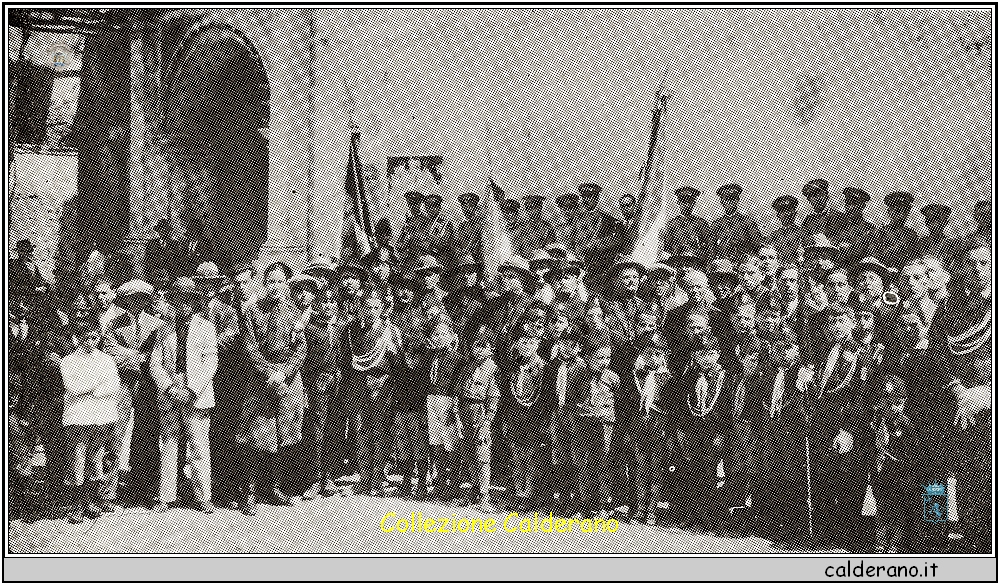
(890,299)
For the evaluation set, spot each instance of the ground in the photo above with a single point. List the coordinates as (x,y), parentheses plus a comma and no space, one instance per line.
(339,525)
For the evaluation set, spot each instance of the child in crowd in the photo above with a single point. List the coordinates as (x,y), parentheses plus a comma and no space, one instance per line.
(478,396)
(653,384)
(93,389)
(524,415)
(594,415)
(565,366)
(894,482)
(437,370)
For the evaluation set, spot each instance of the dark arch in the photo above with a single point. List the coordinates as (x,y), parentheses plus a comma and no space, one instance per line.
(216,107)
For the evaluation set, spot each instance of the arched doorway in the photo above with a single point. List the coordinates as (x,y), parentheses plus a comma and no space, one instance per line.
(216,117)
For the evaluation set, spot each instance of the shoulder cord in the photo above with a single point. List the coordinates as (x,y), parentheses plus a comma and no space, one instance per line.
(971,339)
(698,411)
(375,357)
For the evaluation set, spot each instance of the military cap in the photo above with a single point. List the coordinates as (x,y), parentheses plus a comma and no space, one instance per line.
(427,263)
(785,203)
(163,225)
(815,187)
(589,189)
(467,261)
(936,211)
(414,196)
(685,255)
(573,260)
(557,250)
(730,191)
(352,267)
(134,287)
(721,267)
(898,199)
(510,205)
(183,287)
(686,193)
(562,267)
(433,198)
(539,256)
(622,262)
(567,200)
(208,272)
(300,281)
(25,245)
(705,342)
(853,195)
(468,197)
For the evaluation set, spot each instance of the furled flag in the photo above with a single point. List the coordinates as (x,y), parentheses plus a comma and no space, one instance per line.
(646,233)
(354,187)
(497,247)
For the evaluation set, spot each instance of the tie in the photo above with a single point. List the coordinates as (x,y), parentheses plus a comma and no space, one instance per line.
(561,383)
(649,390)
(701,391)
(831,363)
(777,392)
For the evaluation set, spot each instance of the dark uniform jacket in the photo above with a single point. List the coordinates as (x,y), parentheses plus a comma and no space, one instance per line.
(691,233)
(733,235)
(164,261)
(524,416)
(831,222)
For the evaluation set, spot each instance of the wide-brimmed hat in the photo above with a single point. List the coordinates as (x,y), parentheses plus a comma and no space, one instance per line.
(320,264)
(25,244)
(557,250)
(661,268)
(540,256)
(517,264)
(467,261)
(722,268)
(352,267)
(872,264)
(304,281)
(183,287)
(818,242)
(208,273)
(563,267)
(427,263)
(135,287)
(622,262)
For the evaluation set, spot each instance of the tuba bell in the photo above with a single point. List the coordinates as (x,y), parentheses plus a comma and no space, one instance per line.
(890,299)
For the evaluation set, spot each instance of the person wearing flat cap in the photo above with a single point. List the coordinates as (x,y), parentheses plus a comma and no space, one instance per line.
(722,278)
(823,219)
(183,364)
(858,231)
(469,231)
(533,230)
(414,233)
(787,239)
(935,243)
(465,303)
(895,243)
(163,257)
(129,340)
(565,279)
(664,293)
(734,233)
(622,304)
(429,293)
(686,230)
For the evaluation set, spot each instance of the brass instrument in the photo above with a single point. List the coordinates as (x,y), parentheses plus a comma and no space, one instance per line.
(890,299)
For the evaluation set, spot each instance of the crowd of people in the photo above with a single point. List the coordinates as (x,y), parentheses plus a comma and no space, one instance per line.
(806,386)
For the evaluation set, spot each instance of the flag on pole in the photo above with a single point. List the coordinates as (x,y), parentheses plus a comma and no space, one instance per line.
(354,187)
(646,234)
(497,247)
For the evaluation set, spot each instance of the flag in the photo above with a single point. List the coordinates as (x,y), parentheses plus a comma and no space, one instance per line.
(645,236)
(354,187)
(497,247)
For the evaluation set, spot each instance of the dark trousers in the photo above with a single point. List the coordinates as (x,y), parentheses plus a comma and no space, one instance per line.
(591,443)
(372,422)
(701,503)
(836,505)
(341,430)
(317,443)
(974,469)
(144,459)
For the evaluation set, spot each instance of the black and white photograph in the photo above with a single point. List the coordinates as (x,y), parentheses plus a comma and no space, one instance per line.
(501,281)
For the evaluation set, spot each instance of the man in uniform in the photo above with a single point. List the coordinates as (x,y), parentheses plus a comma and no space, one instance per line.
(163,257)
(823,220)
(787,239)
(686,231)
(469,231)
(534,231)
(733,234)
(23,275)
(895,243)
(935,243)
(566,232)
(595,231)
(412,242)
(855,239)
(440,231)
(982,213)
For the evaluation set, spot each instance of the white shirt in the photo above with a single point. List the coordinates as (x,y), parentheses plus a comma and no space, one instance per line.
(778,392)
(831,363)
(561,383)
(93,388)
